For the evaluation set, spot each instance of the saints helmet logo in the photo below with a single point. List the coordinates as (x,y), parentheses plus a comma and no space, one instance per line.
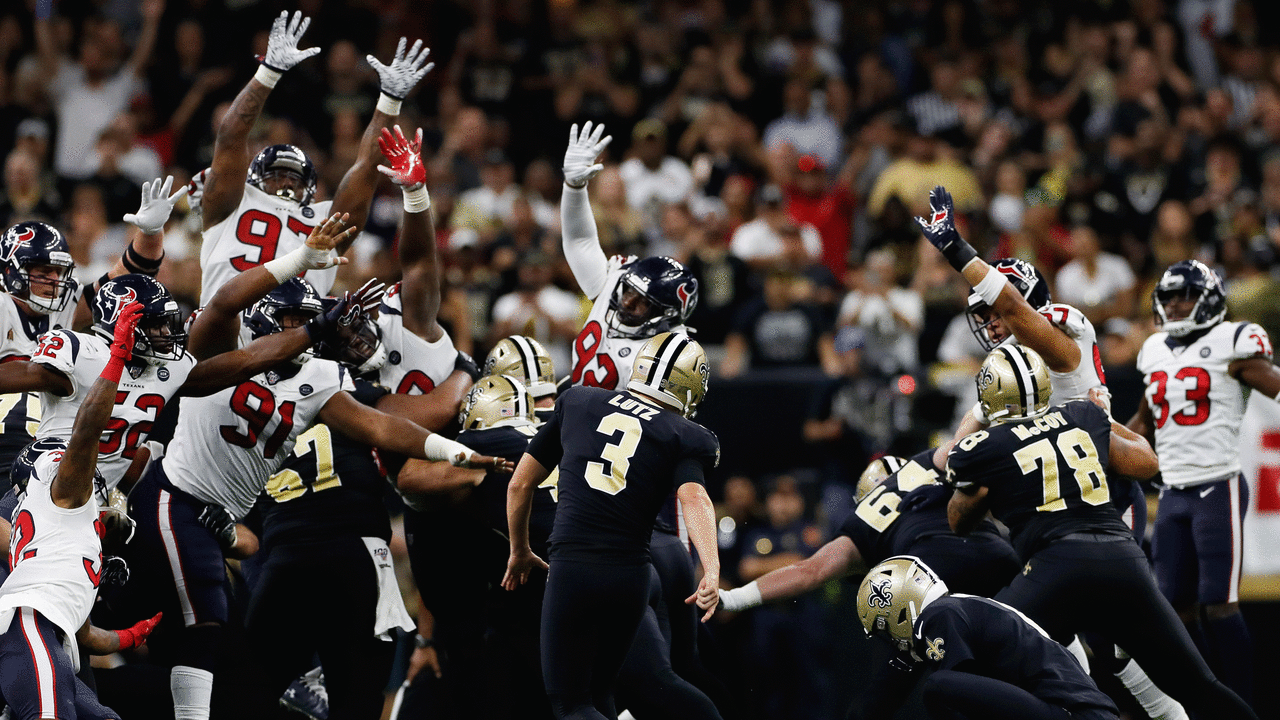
(933,649)
(880,595)
(985,378)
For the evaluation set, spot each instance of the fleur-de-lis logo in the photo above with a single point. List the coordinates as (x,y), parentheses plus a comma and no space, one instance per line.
(933,649)
(880,595)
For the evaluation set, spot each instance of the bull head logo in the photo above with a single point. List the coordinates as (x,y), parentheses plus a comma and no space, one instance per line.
(686,296)
(122,300)
(17,240)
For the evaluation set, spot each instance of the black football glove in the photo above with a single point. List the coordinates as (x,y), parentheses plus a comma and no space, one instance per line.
(115,572)
(467,364)
(940,230)
(221,524)
(330,324)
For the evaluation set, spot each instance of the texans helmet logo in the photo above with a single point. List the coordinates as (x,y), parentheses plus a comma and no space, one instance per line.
(18,240)
(122,300)
(1013,270)
(880,595)
(686,296)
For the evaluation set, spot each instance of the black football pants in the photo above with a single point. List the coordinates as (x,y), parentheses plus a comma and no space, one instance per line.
(952,695)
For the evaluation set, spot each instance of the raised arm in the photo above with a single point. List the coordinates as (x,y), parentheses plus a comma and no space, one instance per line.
(419,257)
(700,518)
(152,11)
(355,191)
(224,184)
(73,486)
(216,327)
(1026,323)
(581,238)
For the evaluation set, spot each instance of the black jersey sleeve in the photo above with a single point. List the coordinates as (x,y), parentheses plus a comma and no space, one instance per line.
(545,447)
(704,447)
(943,636)
(688,470)
(368,393)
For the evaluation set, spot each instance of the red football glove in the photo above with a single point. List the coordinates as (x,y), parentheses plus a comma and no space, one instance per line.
(122,346)
(136,635)
(405,158)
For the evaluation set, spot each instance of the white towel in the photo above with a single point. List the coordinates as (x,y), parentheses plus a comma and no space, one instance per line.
(391,611)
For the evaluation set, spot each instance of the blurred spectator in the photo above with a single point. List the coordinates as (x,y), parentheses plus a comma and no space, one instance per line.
(841,409)
(935,111)
(88,93)
(723,284)
(118,152)
(1173,239)
(540,310)
(653,178)
(776,330)
(813,198)
(462,152)
(806,128)
(708,76)
(1009,204)
(760,243)
(487,208)
(924,164)
(815,283)
(621,226)
(1100,284)
(517,239)
(96,243)
(890,315)
(739,514)
(24,195)
(542,190)
(722,143)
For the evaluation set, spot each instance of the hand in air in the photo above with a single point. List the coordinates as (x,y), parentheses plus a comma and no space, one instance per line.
(405,70)
(123,341)
(405,158)
(580,158)
(282,44)
(519,565)
(940,227)
(326,236)
(157,205)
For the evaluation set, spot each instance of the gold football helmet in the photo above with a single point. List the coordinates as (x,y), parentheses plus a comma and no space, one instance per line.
(1013,384)
(672,369)
(893,595)
(526,360)
(496,401)
(115,516)
(879,469)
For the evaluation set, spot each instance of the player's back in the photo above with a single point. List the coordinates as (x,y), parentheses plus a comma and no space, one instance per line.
(894,514)
(1196,406)
(1045,476)
(617,466)
(510,443)
(1075,385)
(262,228)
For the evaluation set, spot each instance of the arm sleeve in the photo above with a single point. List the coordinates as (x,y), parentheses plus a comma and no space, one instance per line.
(582,242)
(545,447)
(1070,320)
(689,470)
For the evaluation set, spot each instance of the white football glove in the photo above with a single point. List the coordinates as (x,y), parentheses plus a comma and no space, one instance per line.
(282,45)
(580,158)
(398,78)
(157,204)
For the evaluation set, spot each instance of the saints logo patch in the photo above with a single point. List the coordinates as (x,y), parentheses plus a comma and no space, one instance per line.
(933,649)
(881,595)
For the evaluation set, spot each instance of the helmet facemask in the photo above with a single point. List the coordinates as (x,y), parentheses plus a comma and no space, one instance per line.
(1209,308)
(659,318)
(62,282)
(161,338)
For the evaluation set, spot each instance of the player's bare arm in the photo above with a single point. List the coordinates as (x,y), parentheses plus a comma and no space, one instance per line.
(1258,373)
(215,329)
(419,257)
(1143,422)
(434,410)
(1131,454)
(97,641)
(965,511)
(420,476)
(1026,323)
(224,183)
(581,238)
(834,560)
(73,485)
(26,376)
(528,475)
(356,189)
(700,517)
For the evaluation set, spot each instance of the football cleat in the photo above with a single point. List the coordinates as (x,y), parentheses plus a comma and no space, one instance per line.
(308,696)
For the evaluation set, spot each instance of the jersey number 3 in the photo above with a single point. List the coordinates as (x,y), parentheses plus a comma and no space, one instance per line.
(610,475)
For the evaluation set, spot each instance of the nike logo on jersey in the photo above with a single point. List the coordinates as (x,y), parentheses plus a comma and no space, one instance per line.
(1205,492)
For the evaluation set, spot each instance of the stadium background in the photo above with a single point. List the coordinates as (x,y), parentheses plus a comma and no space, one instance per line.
(780,148)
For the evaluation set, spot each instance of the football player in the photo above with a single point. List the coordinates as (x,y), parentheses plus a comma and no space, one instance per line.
(1044,472)
(56,558)
(1200,371)
(226,447)
(982,658)
(633,300)
(254,211)
(526,360)
(603,441)
(38,274)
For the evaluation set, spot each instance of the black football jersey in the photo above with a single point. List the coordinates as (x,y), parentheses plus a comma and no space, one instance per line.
(19,420)
(1046,477)
(976,635)
(617,456)
(330,486)
(511,443)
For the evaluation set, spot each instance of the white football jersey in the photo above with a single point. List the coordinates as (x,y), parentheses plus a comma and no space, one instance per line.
(263,228)
(139,399)
(55,553)
(1089,374)
(1196,405)
(414,366)
(227,445)
(600,360)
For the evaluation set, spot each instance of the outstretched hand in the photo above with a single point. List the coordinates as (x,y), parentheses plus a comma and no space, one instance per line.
(134,636)
(123,340)
(476,461)
(282,44)
(405,70)
(157,205)
(580,158)
(940,229)
(326,236)
(405,158)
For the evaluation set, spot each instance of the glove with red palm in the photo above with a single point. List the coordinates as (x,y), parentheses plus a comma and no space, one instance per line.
(406,168)
(123,341)
(132,637)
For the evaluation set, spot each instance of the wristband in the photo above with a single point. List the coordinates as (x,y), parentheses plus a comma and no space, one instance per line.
(743,598)
(438,447)
(990,287)
(267,76)
(420,642)
(115,366)
(295,262)
(128,639)
(416,201)
(135,262)
(388,105)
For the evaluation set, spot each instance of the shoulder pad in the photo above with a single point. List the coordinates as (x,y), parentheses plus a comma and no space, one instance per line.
(1250,341)
(1070,320)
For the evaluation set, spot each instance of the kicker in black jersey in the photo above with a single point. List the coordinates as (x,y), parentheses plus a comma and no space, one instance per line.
(511,443)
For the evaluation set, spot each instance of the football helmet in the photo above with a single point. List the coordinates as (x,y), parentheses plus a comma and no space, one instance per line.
(668,286)
(893,595)
(358,346)
(1013,384)
(35,244)
(1025,279)
(161,334)
(1187,280)
(496,401)
(265,316)
(524,358)
(284,159)
(672,369)
(24,466)
(877,470)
